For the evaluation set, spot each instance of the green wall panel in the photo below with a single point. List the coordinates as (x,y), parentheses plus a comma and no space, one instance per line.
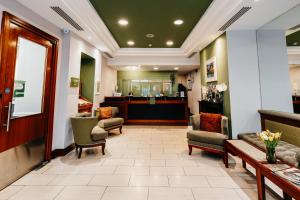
(217,48)
(125,77)
(87,76)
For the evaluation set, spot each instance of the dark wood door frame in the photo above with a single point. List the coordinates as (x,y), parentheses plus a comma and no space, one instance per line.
(7,20)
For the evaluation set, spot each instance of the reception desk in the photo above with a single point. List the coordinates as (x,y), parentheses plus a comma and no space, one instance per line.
(151,111)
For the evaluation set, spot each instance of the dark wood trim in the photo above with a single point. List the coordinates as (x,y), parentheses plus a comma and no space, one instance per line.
(216,151)
(157,122)
(283,120)
(62,152)
(80,147)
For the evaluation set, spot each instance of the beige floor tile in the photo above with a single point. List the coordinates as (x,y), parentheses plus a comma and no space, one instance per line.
(9,192)
(222,182)
(61,169)
(215,194)
(165,171)
(71,180)
(124,193)
(107,170)
(188,181)
(164,193)
(117,162)
(38,193)
(35,179)
(183,163)
(110,180)
(150,181)
(202,171)
(139,170)
(148,162)
(81,192)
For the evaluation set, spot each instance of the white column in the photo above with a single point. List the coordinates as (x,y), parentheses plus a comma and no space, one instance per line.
(244,81)
(274,72)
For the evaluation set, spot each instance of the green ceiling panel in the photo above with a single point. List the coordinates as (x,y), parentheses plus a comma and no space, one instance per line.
(293,39)
(150,16)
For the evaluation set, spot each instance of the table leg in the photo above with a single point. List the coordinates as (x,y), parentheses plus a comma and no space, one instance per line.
(260,181)
(244,164)
(286,196)
(225,158)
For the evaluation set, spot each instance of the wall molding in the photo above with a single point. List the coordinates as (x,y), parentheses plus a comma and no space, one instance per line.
(62,152)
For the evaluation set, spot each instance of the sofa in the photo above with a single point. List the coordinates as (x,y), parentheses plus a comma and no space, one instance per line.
(289,125)
(111,123)
(209,141)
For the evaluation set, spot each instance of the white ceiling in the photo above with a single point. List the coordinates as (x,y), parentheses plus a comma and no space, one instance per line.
(220,11)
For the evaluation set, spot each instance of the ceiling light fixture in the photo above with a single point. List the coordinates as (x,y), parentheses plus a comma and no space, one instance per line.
(132,68)
(169,43)
(155,68)
(178,22)
(295,43)
(150,35)
(149,45)
(123,22)
(176,68)
(130,43)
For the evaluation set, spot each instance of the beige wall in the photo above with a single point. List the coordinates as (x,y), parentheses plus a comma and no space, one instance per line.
(108,80)
(194,96)
(295,78)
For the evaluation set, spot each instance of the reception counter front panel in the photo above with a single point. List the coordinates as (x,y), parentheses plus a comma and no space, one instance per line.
(146,111)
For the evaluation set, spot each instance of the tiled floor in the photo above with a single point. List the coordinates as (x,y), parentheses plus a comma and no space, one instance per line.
(143,163)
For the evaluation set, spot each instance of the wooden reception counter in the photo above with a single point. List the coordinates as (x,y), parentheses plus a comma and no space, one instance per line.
(150,111)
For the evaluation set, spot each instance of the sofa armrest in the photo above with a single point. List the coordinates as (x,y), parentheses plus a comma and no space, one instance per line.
(195,120)
(224,125)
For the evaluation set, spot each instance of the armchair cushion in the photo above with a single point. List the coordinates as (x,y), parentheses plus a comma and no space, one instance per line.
(98,133)
(105,112)
(210,122)
(207,137)
(111,122)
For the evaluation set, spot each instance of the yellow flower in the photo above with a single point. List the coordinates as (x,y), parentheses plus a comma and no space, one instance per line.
(271,138)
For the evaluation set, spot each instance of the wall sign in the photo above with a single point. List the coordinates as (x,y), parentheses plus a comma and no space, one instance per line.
(74,82)
(19,88)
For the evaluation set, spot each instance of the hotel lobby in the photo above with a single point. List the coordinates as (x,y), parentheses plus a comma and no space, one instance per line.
(150,100)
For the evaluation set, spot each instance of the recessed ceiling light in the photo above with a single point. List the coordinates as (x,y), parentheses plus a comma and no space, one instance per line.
(149,45)
(150,35)
(178,22)
(170,43)
(130,43)
(295,43)
(176,68)
(133,68)
(155,68)
(123,22)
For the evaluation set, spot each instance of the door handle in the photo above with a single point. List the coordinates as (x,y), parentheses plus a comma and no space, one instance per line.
(8,116)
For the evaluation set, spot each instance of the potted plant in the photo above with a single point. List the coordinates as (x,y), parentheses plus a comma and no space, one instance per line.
(271,140)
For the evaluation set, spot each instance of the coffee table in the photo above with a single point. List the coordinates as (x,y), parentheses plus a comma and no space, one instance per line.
(257,159)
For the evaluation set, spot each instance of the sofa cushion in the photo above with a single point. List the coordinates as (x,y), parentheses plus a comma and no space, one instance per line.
(110,122)
(207,137)
(105,112)
(210,122)
(284,151)
(98,133)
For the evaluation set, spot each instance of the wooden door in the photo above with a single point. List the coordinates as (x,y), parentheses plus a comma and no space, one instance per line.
(27,84)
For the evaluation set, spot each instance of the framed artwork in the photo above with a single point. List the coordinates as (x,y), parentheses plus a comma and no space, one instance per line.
(211,70)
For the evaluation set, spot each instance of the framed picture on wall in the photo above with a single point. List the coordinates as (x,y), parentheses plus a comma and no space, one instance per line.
(211,70)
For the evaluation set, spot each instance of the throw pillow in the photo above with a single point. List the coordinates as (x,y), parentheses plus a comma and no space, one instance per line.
(105,112)
(210,122)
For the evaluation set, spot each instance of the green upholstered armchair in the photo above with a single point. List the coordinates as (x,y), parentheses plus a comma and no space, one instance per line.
(112,123)
(209,141)
(87,133)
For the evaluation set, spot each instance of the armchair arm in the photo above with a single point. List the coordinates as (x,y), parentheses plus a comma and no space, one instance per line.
(82,128)
(224,126)
(195,120)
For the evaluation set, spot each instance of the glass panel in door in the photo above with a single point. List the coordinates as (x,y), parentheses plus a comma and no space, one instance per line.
(29,78)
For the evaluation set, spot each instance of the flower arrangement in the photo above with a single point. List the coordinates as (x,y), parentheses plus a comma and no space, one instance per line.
(271,141)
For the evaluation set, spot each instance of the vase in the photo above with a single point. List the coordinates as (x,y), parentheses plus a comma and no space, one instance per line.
(270,155)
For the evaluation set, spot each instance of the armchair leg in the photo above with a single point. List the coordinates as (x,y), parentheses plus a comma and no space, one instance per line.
(80,151)
(190,150)
(103,149)
(120,129)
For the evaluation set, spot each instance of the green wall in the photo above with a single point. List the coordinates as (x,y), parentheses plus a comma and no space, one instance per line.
(87,76)
(124,77)
(217,48)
